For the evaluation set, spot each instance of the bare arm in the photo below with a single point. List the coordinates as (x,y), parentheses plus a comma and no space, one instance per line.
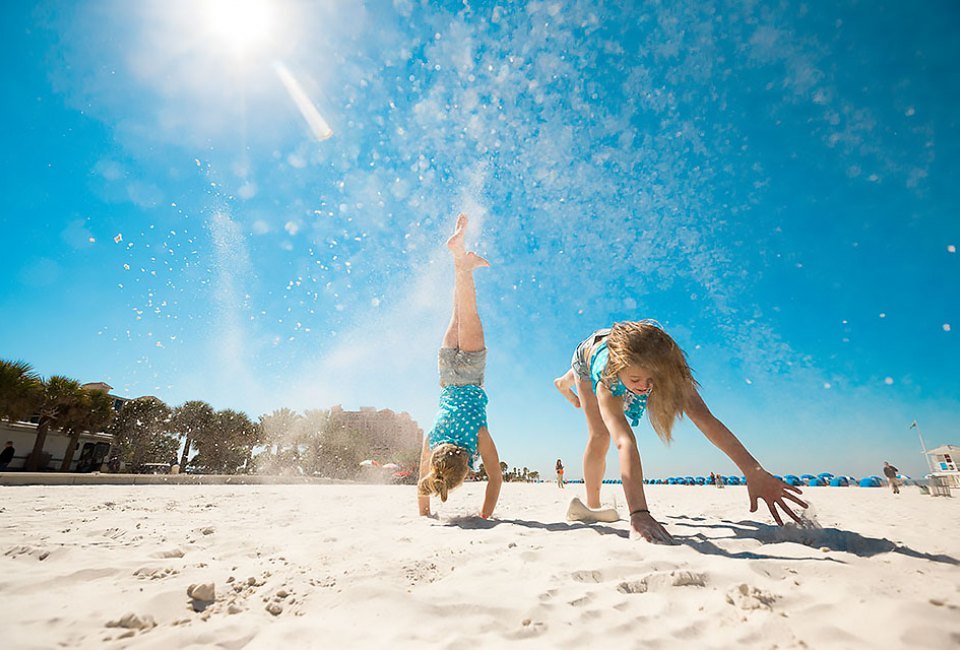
(491,461)
(642,523)
(760,483)
(631,471)
(424,500)
(717,433)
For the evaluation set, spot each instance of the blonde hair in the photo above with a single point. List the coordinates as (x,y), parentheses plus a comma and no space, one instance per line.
(645,344)
(448,469)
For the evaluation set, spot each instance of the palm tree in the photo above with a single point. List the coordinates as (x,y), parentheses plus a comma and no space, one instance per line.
(141,431)
(191,420)
(281,429)
(21,390)
(62,404)
(226,446)
(95,414)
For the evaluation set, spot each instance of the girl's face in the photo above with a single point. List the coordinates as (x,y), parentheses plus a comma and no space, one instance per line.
(637,379)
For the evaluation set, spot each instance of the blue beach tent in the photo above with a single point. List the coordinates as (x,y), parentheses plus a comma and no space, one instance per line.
(870,481)
(700,480)
(839,481)
(790,479)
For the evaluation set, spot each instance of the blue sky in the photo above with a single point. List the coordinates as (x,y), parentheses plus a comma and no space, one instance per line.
(776,184)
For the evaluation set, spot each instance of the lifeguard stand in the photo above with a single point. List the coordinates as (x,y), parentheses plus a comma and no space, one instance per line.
(944,475)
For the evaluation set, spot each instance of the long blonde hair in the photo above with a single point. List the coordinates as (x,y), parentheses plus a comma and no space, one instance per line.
(645,344)
(448,469)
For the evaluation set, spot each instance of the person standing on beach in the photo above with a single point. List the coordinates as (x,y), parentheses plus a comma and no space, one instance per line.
(560,482)
(891,473)
(459,431)
(623,371)
(7,455)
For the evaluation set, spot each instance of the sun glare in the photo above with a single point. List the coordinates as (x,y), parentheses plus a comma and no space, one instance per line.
(241,24)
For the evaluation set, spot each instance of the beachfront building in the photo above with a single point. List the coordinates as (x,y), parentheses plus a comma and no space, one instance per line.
(389,435)
(92,451)
(944,462)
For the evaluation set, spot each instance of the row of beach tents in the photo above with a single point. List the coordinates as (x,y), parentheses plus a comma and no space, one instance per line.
(810,480)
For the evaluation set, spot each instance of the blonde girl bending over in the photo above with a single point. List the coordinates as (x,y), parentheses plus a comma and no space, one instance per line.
(620,373)
(459,432)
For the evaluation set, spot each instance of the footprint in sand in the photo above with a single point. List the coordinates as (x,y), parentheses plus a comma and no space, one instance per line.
(155,573)
(131,621)
(750,598)
(662,581)
(17,551)
(587,576)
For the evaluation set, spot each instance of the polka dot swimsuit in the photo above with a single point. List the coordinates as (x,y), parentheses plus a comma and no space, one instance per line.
(463,410)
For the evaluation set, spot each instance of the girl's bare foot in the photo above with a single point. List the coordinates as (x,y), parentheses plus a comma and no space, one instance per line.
(456,241)
(577,511)
(470,261)
(565,386)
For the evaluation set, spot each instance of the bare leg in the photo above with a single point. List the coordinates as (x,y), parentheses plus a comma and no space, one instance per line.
(451,339)
(598,442)
(466,316)
(565,385)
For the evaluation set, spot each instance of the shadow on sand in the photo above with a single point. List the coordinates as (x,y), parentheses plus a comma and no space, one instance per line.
(833,539)
(474,523)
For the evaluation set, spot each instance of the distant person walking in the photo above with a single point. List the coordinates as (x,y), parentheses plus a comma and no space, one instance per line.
(560,481)
(891,473)
(7,455)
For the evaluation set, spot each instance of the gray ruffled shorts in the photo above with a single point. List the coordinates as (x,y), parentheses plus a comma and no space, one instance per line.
(460,368)
(581,357)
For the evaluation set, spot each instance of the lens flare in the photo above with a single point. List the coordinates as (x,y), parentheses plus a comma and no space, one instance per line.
(240,24)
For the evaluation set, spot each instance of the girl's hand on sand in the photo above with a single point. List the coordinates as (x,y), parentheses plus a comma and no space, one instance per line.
(762,485)
(644,526)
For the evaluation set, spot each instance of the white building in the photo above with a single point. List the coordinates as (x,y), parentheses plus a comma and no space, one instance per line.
(92,450)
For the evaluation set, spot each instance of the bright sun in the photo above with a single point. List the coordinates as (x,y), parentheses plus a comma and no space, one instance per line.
(241,24)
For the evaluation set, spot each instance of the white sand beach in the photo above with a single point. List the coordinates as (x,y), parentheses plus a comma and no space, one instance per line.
(342,566)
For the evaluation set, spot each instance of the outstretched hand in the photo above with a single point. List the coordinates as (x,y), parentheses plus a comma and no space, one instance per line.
(762,485)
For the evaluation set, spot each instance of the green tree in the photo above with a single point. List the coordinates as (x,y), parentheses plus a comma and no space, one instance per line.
(21,390)
(282,433)
(95,414)
(191,420)
(227,446)
(315,437)
(141,430)
(344,450)
(61,405)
